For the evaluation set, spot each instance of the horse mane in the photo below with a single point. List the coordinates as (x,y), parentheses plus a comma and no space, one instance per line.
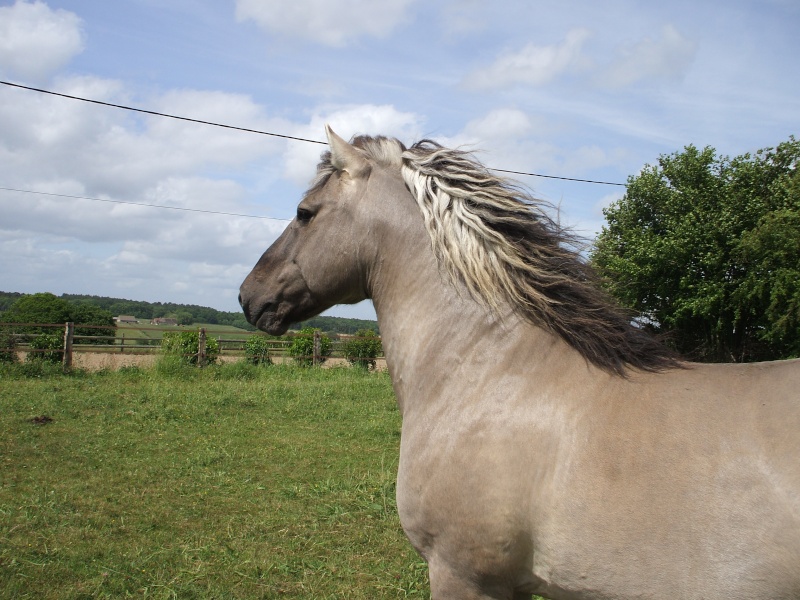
(497,240)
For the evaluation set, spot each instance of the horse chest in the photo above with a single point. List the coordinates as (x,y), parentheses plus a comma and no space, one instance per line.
(463,495)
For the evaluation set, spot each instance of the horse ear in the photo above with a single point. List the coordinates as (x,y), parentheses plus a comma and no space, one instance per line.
(344,156)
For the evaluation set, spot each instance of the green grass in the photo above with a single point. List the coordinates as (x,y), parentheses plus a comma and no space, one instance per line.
(231,482)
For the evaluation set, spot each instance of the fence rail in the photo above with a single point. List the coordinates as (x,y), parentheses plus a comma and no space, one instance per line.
(19,337)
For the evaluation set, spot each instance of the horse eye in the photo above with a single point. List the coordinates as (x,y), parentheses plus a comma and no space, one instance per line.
(303,215)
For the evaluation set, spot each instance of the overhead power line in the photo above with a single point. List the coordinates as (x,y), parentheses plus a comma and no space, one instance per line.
(159,114)
(278,135)
(196,210)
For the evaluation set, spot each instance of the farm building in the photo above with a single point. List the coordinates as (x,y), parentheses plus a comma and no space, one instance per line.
(125,319)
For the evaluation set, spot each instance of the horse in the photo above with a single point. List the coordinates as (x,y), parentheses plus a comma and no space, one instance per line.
(548,446)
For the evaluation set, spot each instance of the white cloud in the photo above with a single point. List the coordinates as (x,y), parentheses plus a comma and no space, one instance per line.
(121,155)
(667,57)
(499,123)
(328,22)
(77,149)
(301,159)
(36,41)
(532,65)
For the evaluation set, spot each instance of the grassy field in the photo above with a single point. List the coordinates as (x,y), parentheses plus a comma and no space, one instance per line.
(231,482)
(145,332)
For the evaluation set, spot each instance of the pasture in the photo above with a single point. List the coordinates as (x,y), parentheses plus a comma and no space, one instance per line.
(229,482)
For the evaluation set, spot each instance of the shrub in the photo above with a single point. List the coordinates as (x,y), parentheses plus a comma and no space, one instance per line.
(8,348)
(302,347)
(46,347)
(256,350)
(186,345)
(363,349)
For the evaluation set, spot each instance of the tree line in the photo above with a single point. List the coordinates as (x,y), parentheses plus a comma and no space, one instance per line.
(100,310)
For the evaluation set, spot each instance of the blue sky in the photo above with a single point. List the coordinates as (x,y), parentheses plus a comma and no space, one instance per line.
(576,89)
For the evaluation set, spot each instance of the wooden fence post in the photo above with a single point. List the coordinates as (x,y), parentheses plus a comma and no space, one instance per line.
(69,332)
(317,358)
(201,348)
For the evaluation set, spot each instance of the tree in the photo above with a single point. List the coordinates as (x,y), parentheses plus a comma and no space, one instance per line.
(707,250)
(185,345)
(184,317)
(8,347)
(363,348)
(46,308)
(42,308)
(302,347)
(256,350)
(95,318)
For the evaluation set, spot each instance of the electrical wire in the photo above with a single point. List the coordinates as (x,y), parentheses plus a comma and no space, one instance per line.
(278,135)
(196,210)
(159,114)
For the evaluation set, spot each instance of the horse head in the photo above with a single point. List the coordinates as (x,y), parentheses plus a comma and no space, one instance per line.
(325,254)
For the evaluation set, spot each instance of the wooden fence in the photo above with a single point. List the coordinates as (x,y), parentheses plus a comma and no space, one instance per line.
(18,337)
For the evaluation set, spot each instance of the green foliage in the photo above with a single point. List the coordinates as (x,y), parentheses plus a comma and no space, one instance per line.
(198,314)
(184,317)
(46,308)
(186,344)
(8,347)
(707,249)
(46,347)
(42,308)
(339,324)
(97,320)
(256,350)
(363,349)
(302,347)
(37,369)
(7,299)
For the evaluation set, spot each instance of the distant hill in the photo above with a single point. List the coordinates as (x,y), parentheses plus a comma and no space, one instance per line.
(338,324)
(191,313)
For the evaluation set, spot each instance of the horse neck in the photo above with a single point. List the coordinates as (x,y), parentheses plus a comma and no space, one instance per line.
(435,333)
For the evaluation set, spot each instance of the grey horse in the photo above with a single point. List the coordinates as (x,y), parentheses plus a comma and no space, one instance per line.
(548,446)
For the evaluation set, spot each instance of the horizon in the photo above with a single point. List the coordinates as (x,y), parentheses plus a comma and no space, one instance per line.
(133,203)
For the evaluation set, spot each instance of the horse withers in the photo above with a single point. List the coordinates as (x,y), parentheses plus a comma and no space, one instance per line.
(547,445)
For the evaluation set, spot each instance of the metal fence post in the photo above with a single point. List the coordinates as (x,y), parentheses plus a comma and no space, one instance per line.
(69,332)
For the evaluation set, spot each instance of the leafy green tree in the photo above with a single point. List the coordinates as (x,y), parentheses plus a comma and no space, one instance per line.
(100,322)
(8,346)
(363,348)
(7,299)
(302,347)
(338,324)
(185,345)
(46,308)
(256,350)
(707,250)
(184,317)
(46,347)
(38,308)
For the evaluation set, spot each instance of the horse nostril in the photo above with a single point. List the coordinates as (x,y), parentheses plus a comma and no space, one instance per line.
(240,300)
